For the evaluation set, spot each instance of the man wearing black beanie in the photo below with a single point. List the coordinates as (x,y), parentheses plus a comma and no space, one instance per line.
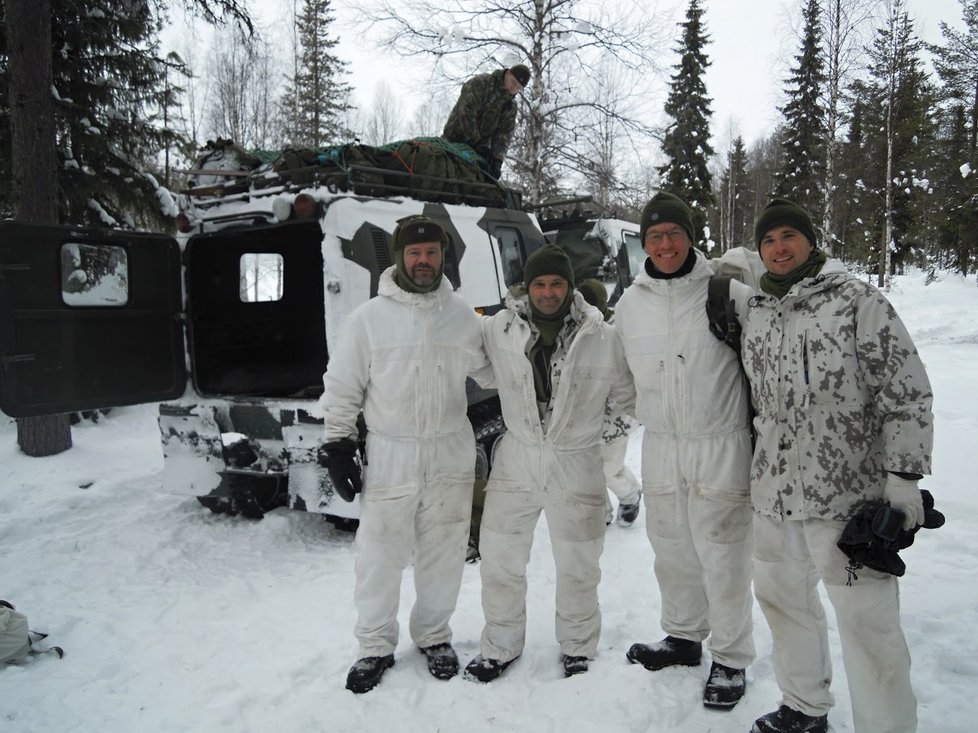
(696,453)
(403,358)
(556,364)
(843,418)
(484,116)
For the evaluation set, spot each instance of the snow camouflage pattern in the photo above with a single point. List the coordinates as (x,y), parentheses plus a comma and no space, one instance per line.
(484,116)
(841,397)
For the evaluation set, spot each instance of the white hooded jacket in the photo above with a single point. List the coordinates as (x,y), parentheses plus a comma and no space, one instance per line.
(691,394)
(403,358)
(561,453)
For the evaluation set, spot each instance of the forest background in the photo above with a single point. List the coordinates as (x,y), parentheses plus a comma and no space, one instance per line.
(874,129)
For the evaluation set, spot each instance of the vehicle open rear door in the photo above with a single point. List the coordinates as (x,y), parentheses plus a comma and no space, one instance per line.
(88,318)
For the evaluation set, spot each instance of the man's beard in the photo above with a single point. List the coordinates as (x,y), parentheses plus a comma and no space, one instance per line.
(422,275)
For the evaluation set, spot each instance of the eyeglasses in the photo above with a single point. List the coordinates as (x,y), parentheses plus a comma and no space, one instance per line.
(674,235)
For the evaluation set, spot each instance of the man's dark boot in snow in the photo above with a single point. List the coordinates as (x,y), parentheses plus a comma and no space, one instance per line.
(365,673)
(574,665)
(669,652)
(442,660)
(786,720)
(486,670)
(627,514)
(724,687)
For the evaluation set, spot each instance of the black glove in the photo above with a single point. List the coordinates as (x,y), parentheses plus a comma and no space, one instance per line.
(339,458)
(496,168)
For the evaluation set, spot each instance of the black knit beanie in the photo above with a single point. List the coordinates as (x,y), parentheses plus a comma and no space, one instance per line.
(522,74)
(664,208)
(548,260)
(781,212)
(595,293)
(416,229)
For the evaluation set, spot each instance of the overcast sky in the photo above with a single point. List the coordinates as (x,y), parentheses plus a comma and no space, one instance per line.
(752,45)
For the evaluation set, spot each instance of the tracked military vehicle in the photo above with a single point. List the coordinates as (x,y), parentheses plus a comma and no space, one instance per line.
(230,323)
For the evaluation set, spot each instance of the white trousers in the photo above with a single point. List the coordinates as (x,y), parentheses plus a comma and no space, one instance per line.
(789,559)
(702,546)
(432,522)
(577,538)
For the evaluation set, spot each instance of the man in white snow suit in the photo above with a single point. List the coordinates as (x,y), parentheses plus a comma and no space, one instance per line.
(696,455)
(622,481)
(843,416)
(556,363)
(403,358)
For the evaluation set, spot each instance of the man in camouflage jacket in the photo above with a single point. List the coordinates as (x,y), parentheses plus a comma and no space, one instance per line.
(484,116)
(843,409)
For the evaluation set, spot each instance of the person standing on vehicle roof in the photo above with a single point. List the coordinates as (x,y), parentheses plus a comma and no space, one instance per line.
(843,417)
(484,116)
(696,452)
(403,358)
(556,363)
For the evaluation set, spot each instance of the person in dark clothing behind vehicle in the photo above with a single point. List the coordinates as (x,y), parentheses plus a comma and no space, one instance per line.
(403,358)
(617,428)
(484,116)
(843,416)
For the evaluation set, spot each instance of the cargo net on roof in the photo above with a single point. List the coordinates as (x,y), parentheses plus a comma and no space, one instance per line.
(425,168)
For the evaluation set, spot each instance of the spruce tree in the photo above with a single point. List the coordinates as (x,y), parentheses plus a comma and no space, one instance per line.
(686,143)
(317,97)
(957,65)
(738,199)
(898,102)
(800,178)
(113,91)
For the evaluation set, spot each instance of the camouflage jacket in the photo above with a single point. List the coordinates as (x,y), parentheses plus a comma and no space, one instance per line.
(841,397)
(484,116)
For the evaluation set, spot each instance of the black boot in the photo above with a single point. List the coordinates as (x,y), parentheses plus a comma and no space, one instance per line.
(574,665)
(627,514)
(786,720)
(486,670)
(724,687)
(365,673)
(667,653)
(442,660)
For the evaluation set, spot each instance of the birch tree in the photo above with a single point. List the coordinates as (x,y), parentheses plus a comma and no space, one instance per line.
(561,41)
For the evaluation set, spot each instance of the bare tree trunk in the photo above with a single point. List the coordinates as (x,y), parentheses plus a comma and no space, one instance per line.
(33,166)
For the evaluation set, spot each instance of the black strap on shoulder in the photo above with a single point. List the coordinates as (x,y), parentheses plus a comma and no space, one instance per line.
(721,313)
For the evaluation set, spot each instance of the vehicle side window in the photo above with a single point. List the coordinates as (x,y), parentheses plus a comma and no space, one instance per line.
(94,275)
(261,277)
(513,254)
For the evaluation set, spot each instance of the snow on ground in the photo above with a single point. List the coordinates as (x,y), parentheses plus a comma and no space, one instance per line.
(177,620)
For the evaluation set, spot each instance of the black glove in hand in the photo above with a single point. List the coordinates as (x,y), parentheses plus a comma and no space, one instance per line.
(496,168)
(339,458)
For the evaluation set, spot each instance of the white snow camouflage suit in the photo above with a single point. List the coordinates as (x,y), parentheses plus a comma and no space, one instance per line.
(841,397)
(692,400)
(551,465)
(404,357)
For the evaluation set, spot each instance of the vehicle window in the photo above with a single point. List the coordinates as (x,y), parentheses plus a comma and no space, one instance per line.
(512,252)
(94,275)
(636,254)
(261,277)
